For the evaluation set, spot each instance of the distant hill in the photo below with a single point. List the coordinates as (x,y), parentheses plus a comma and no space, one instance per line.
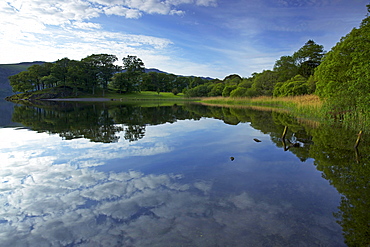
(7,70)
(160,71)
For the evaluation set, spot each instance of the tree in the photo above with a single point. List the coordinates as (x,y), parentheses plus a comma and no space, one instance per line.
(198,91)
(216,90)
(308,58)
(22,82)
(227,90)
(133,64)
(134,68)
(238,92)
(295,86)
(196,81)
(60,70)
(286,68)
(37,72)
(246,83)
(232,79)
(264,82)
(122,82)
(103,66)
(75,75)
(344,75)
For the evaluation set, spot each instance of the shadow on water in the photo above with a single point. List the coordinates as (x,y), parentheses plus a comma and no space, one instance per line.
(332,147)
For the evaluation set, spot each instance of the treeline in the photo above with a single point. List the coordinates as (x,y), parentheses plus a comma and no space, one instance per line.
(100,72)
(291,75)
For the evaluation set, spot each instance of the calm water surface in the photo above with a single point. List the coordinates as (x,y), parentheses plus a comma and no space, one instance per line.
(101,175)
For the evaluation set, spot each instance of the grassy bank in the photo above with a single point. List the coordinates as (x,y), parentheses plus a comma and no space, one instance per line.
(68,93)
(304,106)
(308,107)
(144,95)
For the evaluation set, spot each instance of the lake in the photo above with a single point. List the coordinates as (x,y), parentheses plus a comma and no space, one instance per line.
(102,174)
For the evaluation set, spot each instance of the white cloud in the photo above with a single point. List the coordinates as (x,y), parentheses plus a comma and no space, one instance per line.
(122,11)
(86,25)
(47,31)
(48,199)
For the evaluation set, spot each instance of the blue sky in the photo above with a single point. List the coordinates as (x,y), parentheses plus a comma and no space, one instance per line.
(189,37)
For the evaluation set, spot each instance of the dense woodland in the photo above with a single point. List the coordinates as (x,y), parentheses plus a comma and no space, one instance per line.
(340,76)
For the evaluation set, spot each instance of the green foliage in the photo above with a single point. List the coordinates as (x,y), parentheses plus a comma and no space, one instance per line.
(232,79)
(133,64)
(175,91)
(295,86)
(227,90)
(196,81)
(264,82)
(198,91)
(216,90)
(123,83)
(22,82)
(238,92)
(303,62)
(60,70)
(311,84)
(103,67)
(344,75)
(251,92)
(308,58)
(246,83)
(286,68)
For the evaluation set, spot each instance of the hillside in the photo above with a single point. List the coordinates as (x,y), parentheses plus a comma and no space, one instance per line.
(7,70)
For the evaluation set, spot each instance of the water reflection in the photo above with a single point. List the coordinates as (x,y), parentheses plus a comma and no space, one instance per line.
(99,123)
(152,176)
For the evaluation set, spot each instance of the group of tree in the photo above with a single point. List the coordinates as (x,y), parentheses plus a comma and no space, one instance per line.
(100,72)
(291,75)
(343,77)
(88,74)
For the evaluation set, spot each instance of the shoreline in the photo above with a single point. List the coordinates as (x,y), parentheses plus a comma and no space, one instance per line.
(81,99)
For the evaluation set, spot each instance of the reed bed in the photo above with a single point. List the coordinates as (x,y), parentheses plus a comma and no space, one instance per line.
(303,106)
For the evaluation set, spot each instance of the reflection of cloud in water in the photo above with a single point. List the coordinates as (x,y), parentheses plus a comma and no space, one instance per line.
(59,205)
(22,149)
(50,198)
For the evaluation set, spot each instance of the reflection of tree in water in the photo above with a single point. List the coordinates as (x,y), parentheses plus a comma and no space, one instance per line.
(98,123)
(331,147)
(271,123)
(134,132)
(70,122)
(335,156)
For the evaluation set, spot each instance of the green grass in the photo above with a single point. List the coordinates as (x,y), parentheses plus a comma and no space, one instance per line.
(144,95)
(304,106)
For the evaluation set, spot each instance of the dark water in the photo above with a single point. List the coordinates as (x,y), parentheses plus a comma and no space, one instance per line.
(182,175)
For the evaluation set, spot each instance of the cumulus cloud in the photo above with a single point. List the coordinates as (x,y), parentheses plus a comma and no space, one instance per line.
(50,30)
(64,206)
(55,12)
(47,199)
